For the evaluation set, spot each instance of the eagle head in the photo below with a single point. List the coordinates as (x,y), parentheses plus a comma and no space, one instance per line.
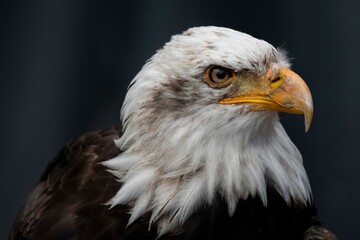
(200,121)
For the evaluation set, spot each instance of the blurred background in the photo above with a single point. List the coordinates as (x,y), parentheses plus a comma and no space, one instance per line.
(65,66)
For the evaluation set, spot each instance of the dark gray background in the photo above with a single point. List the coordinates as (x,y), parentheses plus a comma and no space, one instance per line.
(65,66)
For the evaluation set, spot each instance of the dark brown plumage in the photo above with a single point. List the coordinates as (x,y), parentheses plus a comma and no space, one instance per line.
(71,192)
(68,203)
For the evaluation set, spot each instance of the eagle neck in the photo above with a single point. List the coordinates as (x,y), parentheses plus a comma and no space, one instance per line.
(180,166)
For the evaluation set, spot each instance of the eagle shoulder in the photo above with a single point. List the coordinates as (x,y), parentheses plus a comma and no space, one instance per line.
(71,191)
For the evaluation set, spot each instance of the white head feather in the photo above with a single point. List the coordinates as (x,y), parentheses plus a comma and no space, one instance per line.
(181,147)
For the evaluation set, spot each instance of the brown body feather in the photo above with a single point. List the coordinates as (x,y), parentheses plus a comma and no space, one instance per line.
(69,203)
(69,198)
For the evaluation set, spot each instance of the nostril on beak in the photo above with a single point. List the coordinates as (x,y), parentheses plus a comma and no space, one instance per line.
(276,82)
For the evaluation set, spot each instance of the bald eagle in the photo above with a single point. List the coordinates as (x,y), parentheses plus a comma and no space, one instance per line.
(201,153)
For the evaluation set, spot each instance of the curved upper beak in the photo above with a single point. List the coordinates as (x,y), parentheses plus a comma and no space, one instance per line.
(284,92)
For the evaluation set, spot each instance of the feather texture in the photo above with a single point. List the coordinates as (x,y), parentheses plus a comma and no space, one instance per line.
(195,147)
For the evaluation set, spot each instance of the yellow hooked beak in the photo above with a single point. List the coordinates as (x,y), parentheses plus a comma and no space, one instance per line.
(284,91)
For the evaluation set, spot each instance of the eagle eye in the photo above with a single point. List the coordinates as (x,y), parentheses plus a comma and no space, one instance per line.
(218,77)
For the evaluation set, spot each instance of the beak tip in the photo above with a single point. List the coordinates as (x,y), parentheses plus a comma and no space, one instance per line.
(308,120)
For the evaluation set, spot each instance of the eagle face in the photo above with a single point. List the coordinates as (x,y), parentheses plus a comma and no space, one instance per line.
(200,120)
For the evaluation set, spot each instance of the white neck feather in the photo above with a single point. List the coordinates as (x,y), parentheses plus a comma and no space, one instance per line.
(180,166)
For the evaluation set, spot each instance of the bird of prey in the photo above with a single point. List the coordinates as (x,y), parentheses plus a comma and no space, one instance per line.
(201,153)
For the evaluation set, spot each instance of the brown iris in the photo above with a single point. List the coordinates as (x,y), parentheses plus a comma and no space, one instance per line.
(218,77)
